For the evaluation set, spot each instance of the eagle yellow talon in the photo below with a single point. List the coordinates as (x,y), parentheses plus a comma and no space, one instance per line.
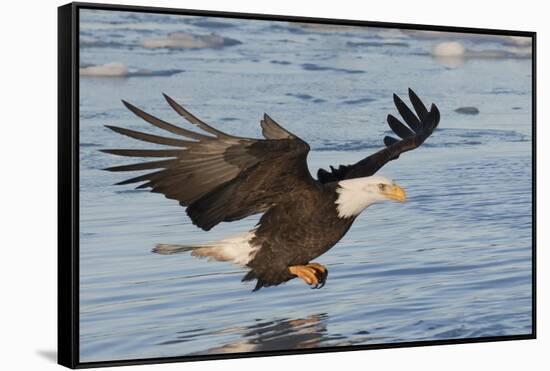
(318,267)
(312,274)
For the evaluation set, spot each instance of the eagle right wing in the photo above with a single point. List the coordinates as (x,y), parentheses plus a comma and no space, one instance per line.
(219,177)
(419,127)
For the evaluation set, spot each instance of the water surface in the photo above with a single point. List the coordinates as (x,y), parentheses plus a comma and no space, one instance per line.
(452,262)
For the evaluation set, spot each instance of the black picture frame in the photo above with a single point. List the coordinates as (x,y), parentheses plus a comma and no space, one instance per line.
(68,183)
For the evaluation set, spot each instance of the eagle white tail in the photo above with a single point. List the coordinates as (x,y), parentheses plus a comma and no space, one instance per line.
(236,249)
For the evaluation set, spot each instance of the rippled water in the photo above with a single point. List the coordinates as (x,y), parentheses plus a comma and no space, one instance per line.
(452,262)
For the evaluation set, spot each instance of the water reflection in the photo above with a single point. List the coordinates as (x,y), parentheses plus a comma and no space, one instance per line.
(309,332)
(283,334)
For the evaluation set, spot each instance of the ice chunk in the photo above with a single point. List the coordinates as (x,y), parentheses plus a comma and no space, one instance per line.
(181,40)
(518,40)
(109,70)
(116,69)
(449,49)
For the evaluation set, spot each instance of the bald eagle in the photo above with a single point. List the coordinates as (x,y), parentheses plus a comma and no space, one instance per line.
(222,178)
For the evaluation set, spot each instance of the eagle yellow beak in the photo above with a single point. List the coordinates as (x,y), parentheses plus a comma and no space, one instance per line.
(395,193)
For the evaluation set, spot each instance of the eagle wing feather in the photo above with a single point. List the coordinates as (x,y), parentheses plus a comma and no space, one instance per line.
(217,176)
(419,127)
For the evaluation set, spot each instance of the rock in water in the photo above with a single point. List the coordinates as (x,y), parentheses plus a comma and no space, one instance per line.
(469,110)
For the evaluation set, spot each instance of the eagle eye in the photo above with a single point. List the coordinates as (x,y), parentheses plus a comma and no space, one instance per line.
(381,186)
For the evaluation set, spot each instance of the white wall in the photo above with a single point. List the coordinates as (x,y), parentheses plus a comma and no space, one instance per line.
(28,182)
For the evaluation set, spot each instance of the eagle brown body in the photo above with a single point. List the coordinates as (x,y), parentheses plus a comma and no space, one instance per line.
(319,230)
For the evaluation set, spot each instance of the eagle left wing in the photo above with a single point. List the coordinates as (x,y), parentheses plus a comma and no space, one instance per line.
(217,176)
(420,127)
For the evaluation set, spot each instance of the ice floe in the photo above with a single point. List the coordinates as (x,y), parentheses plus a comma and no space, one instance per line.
(454,53)
(182,40)
(449,49)
(113,69)
(117,69)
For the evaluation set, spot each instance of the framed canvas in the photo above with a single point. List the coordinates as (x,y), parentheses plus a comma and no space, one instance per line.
(349,185)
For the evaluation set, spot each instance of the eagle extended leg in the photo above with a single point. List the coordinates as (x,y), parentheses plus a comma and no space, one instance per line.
(313,274)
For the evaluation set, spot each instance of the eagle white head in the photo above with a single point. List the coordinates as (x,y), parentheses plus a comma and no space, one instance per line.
(355,195)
